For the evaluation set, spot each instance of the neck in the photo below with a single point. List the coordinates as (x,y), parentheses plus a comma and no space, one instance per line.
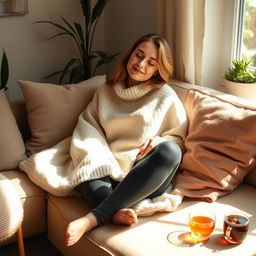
(130,82)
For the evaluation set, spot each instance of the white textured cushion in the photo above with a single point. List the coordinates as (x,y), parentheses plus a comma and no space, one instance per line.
(11,210)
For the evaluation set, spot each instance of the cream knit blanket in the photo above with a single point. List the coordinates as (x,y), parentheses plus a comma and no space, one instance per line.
(107,139)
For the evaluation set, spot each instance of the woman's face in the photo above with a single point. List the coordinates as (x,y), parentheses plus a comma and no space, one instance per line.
(143,63)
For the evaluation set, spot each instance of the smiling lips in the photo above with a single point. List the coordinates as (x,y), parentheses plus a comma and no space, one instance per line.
(137,70)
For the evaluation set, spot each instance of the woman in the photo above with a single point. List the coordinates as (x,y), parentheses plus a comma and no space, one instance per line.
(144,125)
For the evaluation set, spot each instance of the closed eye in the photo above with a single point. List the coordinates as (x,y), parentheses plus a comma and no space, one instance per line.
(139,56)
(151,64)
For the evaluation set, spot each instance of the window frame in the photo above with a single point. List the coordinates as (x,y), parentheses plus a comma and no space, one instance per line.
(240,6)
(238,30)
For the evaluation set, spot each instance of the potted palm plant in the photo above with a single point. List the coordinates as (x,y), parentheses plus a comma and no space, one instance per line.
(240,80)
(7,119)
(4,72)
(85,66)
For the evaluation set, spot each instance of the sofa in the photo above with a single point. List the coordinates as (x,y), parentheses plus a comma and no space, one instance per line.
(45,212)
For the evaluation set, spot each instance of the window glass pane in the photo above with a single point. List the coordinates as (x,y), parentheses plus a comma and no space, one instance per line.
(249,32)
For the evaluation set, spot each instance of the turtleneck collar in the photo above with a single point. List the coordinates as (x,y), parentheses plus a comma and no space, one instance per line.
(133,92)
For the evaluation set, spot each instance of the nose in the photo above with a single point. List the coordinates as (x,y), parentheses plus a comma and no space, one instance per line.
(142,62)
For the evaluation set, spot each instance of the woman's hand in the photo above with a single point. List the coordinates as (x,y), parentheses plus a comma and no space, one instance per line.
(147,146)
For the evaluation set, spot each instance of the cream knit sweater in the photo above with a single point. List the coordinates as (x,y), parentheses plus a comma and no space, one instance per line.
(108,137)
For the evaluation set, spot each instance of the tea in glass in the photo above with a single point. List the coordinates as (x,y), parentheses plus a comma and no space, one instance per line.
(202,224)
(235,227)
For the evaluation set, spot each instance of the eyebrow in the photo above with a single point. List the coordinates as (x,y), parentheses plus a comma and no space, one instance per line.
(144,53)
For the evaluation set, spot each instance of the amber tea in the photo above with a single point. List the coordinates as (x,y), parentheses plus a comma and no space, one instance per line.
(201,225)
(235,227)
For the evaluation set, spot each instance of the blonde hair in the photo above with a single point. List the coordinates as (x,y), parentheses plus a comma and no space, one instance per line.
(165,62)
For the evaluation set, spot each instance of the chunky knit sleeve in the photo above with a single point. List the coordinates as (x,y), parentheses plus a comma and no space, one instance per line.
(89,149)
(83,156)
(175,123)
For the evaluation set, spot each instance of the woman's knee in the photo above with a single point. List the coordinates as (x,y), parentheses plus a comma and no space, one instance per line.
(169,152)
(95,191)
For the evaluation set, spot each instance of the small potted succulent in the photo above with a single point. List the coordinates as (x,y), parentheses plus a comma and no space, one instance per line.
(240,80)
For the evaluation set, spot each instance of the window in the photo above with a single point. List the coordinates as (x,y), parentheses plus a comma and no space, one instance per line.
(246,30)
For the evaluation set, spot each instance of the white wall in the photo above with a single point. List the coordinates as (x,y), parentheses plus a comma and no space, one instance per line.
(126,21)
(217,42)
(30,55)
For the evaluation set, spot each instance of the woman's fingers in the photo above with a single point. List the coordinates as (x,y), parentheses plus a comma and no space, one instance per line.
(146,147)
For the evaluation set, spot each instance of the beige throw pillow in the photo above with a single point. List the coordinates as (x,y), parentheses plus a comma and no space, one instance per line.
(12,148)
(53,110)
(220,147)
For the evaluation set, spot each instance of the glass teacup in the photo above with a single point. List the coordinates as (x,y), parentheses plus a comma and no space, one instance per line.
(235,227)
(201,224)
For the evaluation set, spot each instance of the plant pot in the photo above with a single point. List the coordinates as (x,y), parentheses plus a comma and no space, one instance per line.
(242,90)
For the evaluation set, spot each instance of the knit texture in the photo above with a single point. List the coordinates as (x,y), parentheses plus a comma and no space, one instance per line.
(11,210)
(108,137)
(165,202)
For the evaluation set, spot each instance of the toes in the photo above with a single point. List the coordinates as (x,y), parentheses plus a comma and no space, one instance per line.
(69,242)
(125,216)
(131,216)
(68,234)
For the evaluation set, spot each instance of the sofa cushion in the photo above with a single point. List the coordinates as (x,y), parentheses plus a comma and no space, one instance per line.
(12,149)
(18,107)
(220,146)
(149,236)
(53,110)
(250,178)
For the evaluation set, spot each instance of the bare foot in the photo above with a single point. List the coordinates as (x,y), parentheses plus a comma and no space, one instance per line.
(125,216)
(78,227)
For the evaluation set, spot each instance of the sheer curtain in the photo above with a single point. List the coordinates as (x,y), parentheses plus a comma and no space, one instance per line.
(182,23)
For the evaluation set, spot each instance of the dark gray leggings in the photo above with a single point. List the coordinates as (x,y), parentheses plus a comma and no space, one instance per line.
(151,176)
